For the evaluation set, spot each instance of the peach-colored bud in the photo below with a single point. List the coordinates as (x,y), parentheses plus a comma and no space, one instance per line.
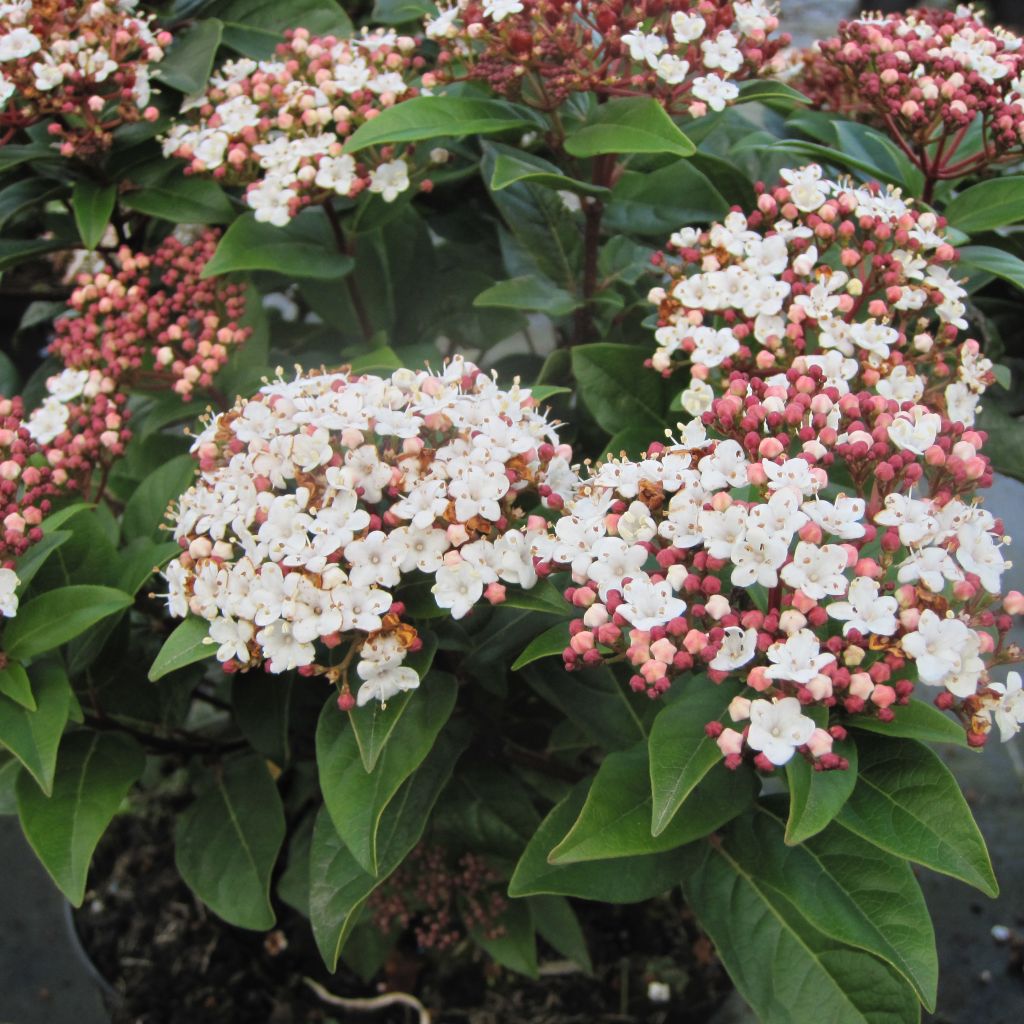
(1013,603)
(757,680)
(853,656)
(495,593)
(820,742)
(201,547)
(883,695)
(457,534)
(717,606)
(739,709)
(652,671)
(802,603)
(664,650)
(695,641)
(820,687)
(770,448)
(861,685)
(352,437)
(756,474)
(909,618)
(867,567)
(791,621)
(595,616)
(730,742)
(582,642)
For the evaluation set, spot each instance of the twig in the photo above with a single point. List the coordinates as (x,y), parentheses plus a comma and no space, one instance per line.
(372,1003)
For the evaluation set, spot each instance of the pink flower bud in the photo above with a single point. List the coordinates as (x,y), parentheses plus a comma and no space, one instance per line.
(819,743)
(730,742)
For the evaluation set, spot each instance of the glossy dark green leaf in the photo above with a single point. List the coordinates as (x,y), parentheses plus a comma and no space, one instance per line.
(917,720)
(512,165)
(34,736)
(93,203)
(616,819)
(681,754)
(356,799)
(622,880)
(807,975)
(551,642)
(338,885)
(305,248)
(432,117)
(14,684)
(187,64)
(53,618)
(145,513)
(260,703)
(94,773)
(996,203)
(185,646)
(994,261)
(601,370)
(557,923)
(629,125)
(907,802)
(529,293)
(227,841)
(182,201)
(515,944)
(815,798)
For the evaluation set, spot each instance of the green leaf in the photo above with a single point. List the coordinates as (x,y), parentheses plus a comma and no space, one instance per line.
(182,200)
(94,773)
(617,389)
(14,684)
(34,736)
(185,646)
(260,703)
(556,921)
(844,887)
(815,798)
(530,293)
(513,165)
(907,802)
(542,597)
(33,560)
(255,27)
(593,699)
(187,64)
(57,519)
(542,392)
(765,91)
(995,203)
(93,204)
(915,721)
(398,12)
(805,975)
(658,202)
(630,125)
(622,880)
(147,507)
(20,250)
(681,752)
(374,722)
(516,946)
(616,819)
(432,117)
(551,641)
(53,618)
(994,261)
(338,885)
(10,769)
(227,841)
(356,799)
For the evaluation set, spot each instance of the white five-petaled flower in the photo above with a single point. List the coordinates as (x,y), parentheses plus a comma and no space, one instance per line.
(778,728)
(799,658)
(8,598)
(649,604)
(864,610)
(1008,709)
(738,647)
(390,179)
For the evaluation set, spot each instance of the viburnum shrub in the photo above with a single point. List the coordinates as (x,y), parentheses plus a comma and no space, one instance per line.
(277,126)
(948,89)
(468,489)
(81,66)
(318,496)
(686,53)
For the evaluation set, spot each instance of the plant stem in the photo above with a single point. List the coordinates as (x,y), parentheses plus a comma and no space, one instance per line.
(348,248)
(593,211)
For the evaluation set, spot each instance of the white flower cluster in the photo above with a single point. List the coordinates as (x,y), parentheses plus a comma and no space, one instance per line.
(49,420)
(873,317)
(279,125)
(317,497)
(665,549)
(83,54)
(9,582)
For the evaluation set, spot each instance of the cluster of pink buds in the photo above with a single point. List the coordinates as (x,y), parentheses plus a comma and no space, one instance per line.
(318,498)
(151,321)
(687,53)
(85,63)
(931,79)
(440,903)
(850,280)
(59,449)
(278,126)
(790,559)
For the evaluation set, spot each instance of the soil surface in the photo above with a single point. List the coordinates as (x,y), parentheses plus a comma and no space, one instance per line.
(170,961)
